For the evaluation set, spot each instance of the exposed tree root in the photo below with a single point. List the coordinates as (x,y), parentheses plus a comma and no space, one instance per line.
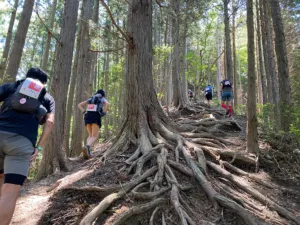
(107,201)
(181,168)
(151,222)
(147,195)
(208,136)
(247,188)
(244,157)
(226,202)
(138,210)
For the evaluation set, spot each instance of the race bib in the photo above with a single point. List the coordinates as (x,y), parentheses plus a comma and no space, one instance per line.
(31,88)
(91,108)
(207,89)
(227,82)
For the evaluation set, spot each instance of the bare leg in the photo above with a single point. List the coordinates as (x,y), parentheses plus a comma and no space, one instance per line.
(89,130)
(94,135)
(8,200)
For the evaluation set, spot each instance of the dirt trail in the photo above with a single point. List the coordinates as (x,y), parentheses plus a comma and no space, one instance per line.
(31,205)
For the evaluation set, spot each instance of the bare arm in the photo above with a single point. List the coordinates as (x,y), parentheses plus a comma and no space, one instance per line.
(82,106)
(47,129)
(105,108)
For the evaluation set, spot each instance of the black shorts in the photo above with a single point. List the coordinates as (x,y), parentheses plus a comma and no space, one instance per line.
(92,118)
(208,96)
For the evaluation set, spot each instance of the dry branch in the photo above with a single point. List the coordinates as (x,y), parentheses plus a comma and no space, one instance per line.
(127,38)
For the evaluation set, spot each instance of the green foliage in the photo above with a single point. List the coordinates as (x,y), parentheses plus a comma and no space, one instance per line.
(161,53)
(295,126)
(240,109)
(34,166)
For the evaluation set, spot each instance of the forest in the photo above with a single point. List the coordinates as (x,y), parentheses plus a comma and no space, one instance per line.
(161,157)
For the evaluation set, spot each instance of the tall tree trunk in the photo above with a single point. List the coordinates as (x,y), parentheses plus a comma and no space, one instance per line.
(283,68)
(19,42)
(252,138)
(218,44)
(260,55)
(106,85)
(54,158)
(141,100)
(94,55)
(235,82)
(184,64)
(265,51)
(228,42)
(177,93)
(8,39)
(271,65)
(70,105)
(82,78)
(48,42)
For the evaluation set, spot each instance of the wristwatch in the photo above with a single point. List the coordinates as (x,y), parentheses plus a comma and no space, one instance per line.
(39,148)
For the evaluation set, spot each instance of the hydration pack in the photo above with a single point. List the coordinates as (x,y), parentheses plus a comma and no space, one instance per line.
(226,83)
(27,99)
(95,104)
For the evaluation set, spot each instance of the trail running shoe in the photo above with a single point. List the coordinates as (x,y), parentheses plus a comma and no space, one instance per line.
(86,152)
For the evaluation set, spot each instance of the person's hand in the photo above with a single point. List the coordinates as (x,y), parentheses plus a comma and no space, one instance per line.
(34,155)
(102,114)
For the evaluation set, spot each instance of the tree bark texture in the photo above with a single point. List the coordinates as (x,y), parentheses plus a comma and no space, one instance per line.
(271,65)
(228,42)
(282,63)
(252,138)
(19,42)
(141,98)
(8,39)
(235,81)
(106,85)
(265,52)
(71,95)
(54,157)
(260,55)
(48,41)
(82,78)
(184,63)
(176,100)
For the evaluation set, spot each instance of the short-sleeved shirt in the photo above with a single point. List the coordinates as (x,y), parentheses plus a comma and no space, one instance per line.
(21,123)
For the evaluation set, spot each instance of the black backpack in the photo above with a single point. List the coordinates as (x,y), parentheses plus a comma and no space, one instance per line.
(27,98)
(226,83)
(96,101)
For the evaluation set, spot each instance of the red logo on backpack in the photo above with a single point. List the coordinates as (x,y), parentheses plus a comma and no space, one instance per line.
(34,87)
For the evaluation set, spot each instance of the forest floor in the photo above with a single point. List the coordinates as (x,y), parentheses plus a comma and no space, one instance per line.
(45,203)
